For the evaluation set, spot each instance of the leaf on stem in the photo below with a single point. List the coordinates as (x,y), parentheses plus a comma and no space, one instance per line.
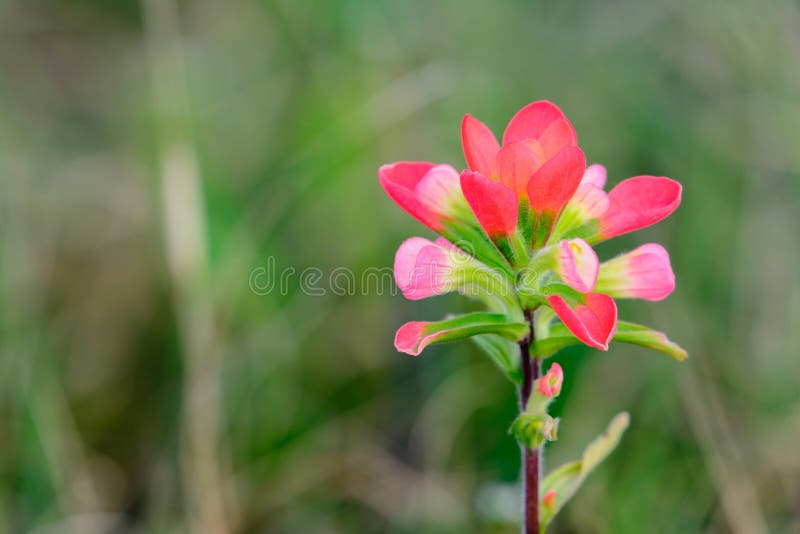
(565,481)
(631,333)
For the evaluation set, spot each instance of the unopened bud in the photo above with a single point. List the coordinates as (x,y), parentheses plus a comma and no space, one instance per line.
(550,383)
(549,500)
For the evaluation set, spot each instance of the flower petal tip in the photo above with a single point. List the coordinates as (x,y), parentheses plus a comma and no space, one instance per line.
(578,265)
(533,121)
(595,175)
(421,268)
(410,338)
(639,202)
(479,144)
(594,322)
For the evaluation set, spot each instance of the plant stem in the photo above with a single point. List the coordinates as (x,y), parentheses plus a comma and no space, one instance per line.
(531,458)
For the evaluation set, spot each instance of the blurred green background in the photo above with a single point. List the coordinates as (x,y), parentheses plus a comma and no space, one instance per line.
(154,155)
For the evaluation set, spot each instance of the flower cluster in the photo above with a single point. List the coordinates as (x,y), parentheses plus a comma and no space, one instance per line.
(516,233)
(517,229)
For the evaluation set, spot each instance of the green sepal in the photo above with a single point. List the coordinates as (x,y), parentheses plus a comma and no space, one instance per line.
(536,282)
(473,240)
(533,429)
(570,225)
(503,353)
(567,479)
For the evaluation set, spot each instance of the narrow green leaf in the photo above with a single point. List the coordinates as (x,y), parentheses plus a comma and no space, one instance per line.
(567,479)
(636,334)
(472,324)
(413,337)
(542,348)
(631,333)
(599,449)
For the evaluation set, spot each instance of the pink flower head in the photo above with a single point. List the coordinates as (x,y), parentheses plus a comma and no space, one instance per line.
(532,194)
(550,384)
(577,264)
(429,193)
(423,268)
(534,135)
(643,273)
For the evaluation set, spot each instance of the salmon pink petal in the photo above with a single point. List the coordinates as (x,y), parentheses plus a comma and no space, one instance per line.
(399,180)
(559,134)
(480,146)
(406,258)
(596,175)
(422,269)
(532,121)
(551,187)
(410,337)
(405,173)
(590,201)
(639,202)
(494,205)
(440,189)
(516,163)
(593,322)
(577,265)
(406,199)
(643,273)
(587,204)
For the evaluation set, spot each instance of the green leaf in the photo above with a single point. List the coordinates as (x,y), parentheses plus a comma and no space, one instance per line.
(558,337)
(636,334)
(567,479)
(631,333)
(413,337)
(542,348)
(471,324)
(503,353)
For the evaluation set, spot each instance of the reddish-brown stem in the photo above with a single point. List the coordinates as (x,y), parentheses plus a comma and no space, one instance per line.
(531,458)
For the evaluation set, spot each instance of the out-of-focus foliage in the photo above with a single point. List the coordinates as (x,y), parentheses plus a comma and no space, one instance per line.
(145,389)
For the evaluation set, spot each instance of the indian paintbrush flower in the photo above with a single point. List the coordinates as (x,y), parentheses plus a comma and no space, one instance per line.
(516,232)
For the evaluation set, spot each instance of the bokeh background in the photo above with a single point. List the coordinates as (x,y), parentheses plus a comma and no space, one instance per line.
(154,154)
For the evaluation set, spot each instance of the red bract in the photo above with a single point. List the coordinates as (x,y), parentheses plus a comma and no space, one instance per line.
(523,216)
(494,205)
(539,160)
(426,191)
(593,321)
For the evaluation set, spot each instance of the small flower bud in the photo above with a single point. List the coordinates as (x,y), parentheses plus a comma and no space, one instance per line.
(549,500)
(550,384)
